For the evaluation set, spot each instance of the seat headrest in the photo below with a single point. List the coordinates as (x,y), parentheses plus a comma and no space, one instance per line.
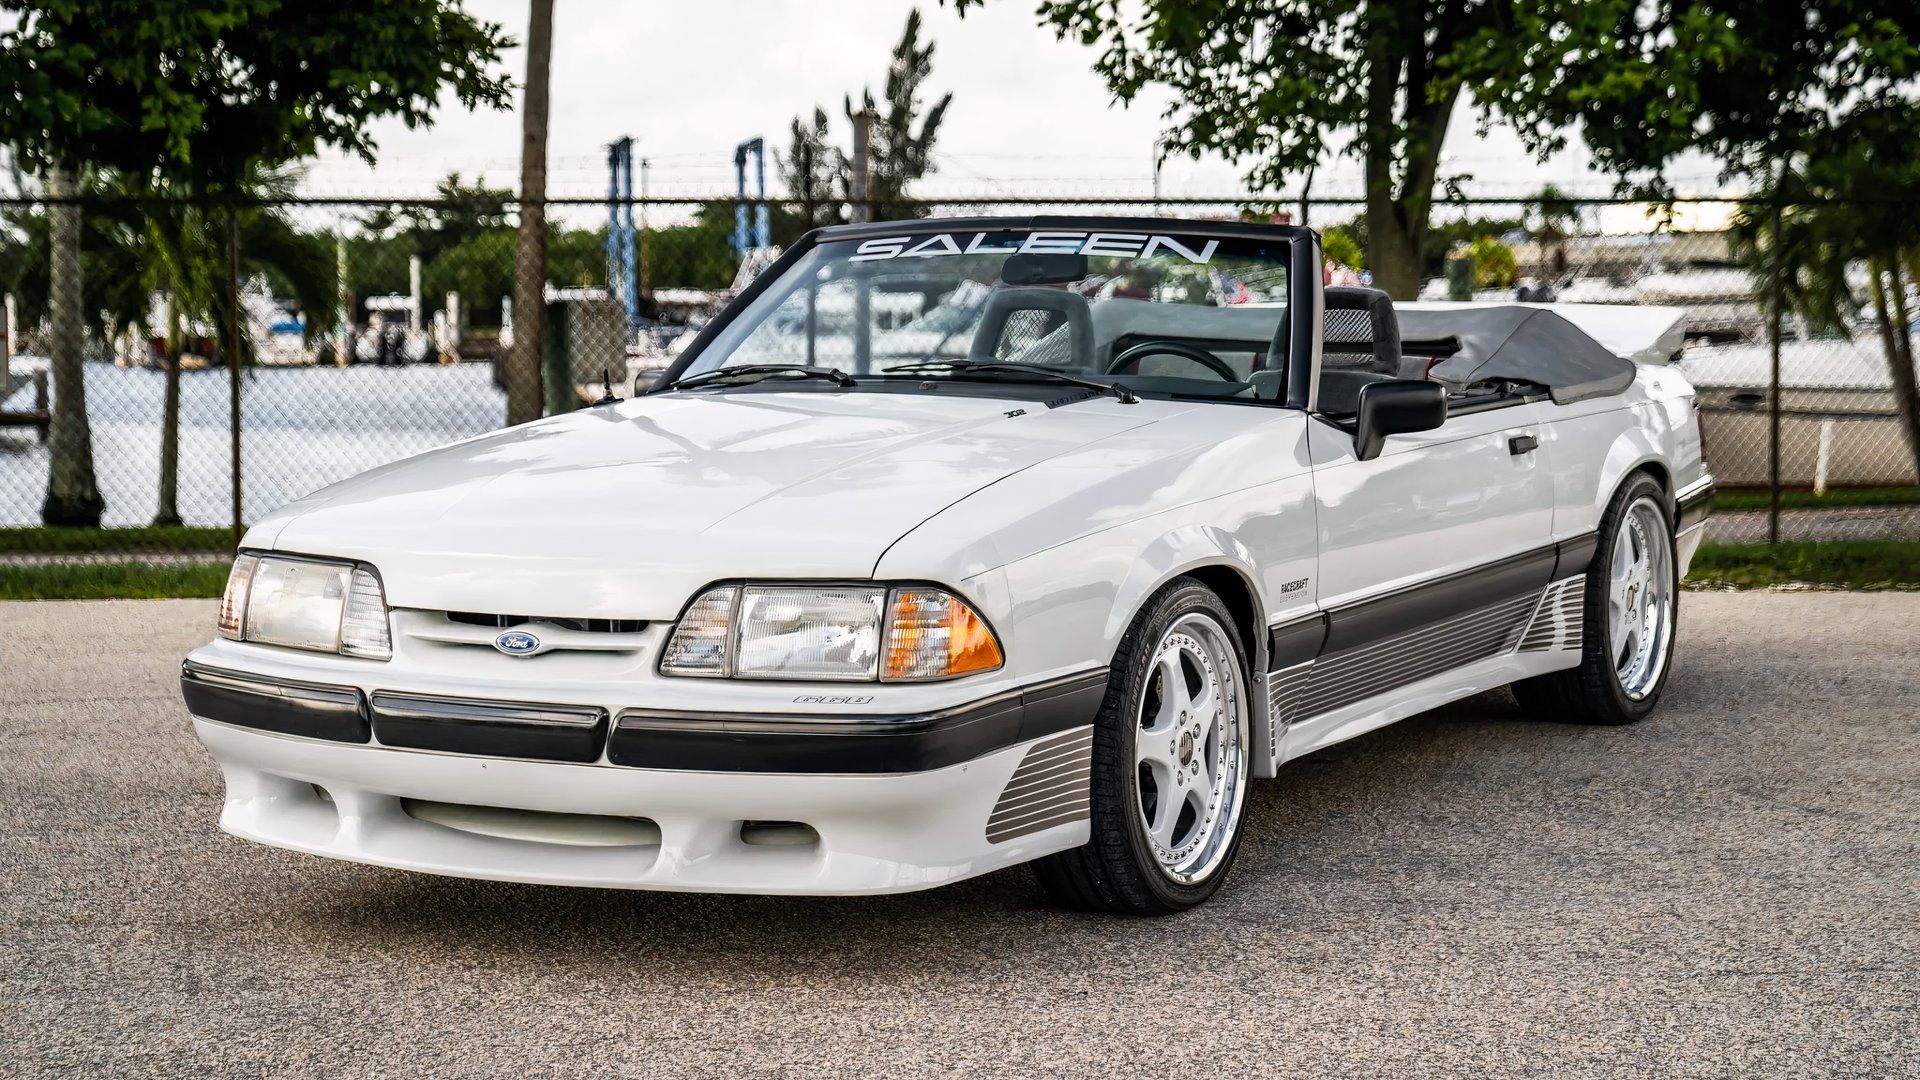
(1360,330)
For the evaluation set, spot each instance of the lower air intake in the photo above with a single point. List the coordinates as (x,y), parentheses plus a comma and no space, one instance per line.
(1049,788)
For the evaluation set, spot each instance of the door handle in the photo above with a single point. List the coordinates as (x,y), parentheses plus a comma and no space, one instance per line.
(1522,444)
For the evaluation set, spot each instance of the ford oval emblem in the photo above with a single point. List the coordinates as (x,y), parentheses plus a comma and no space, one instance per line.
(517,643)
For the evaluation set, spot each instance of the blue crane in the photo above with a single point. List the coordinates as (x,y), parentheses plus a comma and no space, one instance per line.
(621,280)
(762,236)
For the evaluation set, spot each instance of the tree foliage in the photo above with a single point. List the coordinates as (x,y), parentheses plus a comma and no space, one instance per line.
(901,147)
(1279,86)
(200,91)
(1747,84)
(1856,204)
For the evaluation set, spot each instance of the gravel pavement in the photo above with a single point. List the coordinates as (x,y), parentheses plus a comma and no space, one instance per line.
(1730,888)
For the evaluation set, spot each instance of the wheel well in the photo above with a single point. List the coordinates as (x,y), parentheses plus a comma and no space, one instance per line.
(1656,470)
(1234,591)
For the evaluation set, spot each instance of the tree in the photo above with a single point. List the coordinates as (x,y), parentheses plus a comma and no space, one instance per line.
(812,169)
(460,212)
(194,94)
(181,251)
(530,247)
(1834,211)
(901,151)
(1812,102)
(1750,85)
(1278,84)
(73,494)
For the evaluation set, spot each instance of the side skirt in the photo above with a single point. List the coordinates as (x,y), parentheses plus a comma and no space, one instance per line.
(1339,694)
(1320,732)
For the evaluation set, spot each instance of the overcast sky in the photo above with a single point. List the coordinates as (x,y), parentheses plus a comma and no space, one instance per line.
(691,80)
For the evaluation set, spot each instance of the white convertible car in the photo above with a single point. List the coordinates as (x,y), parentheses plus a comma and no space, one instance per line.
(1145,514)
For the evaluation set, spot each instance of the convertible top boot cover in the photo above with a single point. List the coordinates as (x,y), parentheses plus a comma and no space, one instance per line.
(1512,342)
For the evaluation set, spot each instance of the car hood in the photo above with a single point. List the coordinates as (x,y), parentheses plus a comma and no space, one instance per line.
(625,511)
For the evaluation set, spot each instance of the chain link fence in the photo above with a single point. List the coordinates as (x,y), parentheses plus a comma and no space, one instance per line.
(371,330)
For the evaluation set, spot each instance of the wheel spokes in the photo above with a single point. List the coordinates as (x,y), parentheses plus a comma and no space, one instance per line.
(1189,749)
(1175,699)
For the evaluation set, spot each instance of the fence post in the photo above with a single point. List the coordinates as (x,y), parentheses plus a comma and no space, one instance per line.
(1777,289)
(233,362)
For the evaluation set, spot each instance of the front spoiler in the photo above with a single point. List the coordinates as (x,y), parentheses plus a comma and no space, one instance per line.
(642,737)
(630,828)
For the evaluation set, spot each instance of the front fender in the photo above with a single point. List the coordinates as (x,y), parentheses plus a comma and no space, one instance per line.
(1178,551)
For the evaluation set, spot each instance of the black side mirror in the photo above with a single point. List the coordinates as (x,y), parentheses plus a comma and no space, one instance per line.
(1394,408)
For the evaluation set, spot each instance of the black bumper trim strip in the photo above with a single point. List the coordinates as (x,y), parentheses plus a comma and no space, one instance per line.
(1428,602)
(1296,642)
(1575,555)
(309,710)
(539,732)
(795,743)
(1693,507)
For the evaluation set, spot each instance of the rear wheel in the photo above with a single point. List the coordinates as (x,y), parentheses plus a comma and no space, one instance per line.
(1632,599)
(1170,763)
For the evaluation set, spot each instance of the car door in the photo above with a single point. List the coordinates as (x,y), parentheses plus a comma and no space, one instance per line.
(1431,553)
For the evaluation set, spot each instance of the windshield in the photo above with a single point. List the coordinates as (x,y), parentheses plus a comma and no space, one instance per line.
(1171,314)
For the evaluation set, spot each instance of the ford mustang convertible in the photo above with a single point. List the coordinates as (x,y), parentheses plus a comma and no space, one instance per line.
(951,545)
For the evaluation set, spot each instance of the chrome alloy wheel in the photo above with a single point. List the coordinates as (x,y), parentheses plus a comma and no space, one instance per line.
(1640,598)
(1190,749)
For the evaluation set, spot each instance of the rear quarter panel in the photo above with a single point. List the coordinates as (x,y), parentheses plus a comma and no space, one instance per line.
(1592,445)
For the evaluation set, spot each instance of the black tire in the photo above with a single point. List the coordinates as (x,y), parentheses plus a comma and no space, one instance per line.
(1592,693)
(1116,871)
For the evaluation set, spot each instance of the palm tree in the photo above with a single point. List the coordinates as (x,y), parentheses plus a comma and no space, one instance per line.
(1857,205)
(181,249)
(73,495)
(530,246)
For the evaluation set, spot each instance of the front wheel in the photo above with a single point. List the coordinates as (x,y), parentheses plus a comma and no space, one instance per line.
(1632,598)
(1170,763)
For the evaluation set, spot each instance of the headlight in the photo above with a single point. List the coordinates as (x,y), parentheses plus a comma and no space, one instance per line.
(312,604)
(841,633)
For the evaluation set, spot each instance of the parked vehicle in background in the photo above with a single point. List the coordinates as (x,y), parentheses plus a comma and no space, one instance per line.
(837,608)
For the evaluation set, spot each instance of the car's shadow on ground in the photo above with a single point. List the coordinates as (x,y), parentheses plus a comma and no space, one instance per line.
(1297,836)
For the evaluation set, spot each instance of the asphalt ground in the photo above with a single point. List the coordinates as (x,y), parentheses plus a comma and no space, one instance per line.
(1730,888)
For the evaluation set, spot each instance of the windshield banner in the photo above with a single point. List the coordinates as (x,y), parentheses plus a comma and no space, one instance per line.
(1111,244)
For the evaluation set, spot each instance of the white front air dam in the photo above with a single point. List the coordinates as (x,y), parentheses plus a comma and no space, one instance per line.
(878,833)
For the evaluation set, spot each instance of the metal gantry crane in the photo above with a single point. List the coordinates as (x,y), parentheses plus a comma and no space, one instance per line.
(622,282)
(762,235)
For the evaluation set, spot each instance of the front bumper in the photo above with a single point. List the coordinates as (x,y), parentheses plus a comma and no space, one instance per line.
(575,795)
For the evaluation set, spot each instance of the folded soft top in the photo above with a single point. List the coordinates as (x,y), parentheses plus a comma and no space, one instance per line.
(1514,342)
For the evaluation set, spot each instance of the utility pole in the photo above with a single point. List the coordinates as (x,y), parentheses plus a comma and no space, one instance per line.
(860,184)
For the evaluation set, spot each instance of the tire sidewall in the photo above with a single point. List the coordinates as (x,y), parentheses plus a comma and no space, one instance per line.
(1599,621)
(1121,718)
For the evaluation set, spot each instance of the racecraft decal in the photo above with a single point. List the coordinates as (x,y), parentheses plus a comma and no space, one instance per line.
(1110,244)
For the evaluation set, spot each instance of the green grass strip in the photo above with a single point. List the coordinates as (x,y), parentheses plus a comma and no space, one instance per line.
(110,581)
(1852,564)
(48,539)
(1807,500)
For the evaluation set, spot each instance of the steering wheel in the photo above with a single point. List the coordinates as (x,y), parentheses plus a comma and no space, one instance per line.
(1170,347)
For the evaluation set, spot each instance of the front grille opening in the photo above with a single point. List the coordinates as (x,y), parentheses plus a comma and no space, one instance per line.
(325,795)
(778,834)
(539,826)
(589,626)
